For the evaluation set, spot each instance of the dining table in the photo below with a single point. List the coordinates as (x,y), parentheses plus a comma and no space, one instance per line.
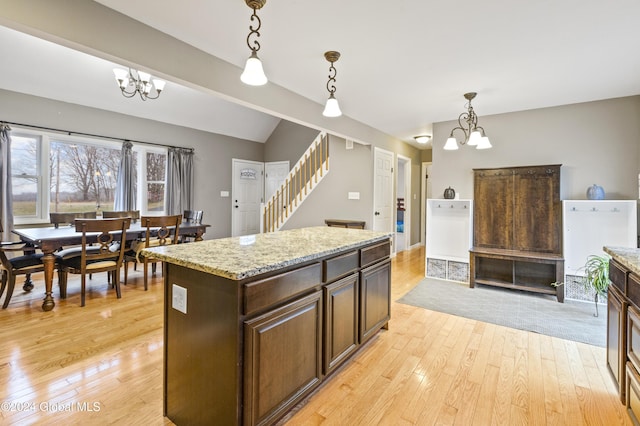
(50,239)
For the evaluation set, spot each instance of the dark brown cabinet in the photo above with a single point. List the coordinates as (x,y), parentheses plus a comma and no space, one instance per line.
(616,337)
(375,299)
(250,350)
(341,321)
(517,229)
(623,335)
(288,338)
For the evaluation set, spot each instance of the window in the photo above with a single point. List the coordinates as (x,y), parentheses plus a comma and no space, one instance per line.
(153,196)
(53,173)
(25,176)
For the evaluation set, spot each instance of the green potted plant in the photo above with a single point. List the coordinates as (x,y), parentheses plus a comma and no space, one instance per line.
(597,276)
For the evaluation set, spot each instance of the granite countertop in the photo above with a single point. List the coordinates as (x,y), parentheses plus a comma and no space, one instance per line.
(628,257)
(242,257)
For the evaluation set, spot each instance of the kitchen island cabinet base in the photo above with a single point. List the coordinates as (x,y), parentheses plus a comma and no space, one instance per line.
(249,351)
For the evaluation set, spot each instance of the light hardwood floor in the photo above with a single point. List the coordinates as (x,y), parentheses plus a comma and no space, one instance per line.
(102,364)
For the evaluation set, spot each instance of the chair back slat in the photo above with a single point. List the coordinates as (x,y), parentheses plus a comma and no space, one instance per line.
(68,218)
(133,214)
(163,228)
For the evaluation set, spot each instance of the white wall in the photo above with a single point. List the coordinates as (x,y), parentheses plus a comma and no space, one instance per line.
(596,142)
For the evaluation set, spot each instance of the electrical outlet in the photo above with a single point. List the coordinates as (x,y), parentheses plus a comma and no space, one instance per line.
(179,298)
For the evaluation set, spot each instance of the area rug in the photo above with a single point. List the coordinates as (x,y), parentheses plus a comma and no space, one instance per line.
(539,313)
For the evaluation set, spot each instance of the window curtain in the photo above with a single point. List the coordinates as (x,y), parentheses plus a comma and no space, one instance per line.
(125,196)
(6,195)
(179,180)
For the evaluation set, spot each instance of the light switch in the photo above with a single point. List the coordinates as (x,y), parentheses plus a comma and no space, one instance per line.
(353,196)
(224,193)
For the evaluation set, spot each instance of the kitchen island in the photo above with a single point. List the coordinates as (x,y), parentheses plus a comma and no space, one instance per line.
(254,324)
(623,325)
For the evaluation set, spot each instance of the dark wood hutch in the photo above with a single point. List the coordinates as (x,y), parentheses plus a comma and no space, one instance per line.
(517,229)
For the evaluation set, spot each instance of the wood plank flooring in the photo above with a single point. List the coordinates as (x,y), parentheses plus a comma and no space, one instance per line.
(102,364)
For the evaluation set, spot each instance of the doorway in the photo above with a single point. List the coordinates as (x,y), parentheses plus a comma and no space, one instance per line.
(383,190)
(403,204)
(247,188)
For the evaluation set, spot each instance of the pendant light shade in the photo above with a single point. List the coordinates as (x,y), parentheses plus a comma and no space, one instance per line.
(331,108)
(253,73)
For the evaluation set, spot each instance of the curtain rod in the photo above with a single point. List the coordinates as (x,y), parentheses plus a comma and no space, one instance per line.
(71,133)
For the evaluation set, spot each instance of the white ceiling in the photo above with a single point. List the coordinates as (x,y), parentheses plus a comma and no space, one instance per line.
(405,64)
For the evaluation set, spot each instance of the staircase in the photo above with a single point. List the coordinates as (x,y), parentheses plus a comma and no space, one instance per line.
(312,167)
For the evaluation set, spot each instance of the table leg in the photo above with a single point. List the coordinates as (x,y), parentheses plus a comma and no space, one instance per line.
(49,261)
(199,233)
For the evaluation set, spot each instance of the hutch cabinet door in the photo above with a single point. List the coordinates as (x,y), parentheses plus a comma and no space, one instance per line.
(537,209)
(493,209)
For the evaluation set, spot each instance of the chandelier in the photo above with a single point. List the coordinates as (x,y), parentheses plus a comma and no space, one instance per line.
(253,73)
(468,122)
(332,109)
(134,82)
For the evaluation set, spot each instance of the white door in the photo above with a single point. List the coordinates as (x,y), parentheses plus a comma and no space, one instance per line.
(246,195)
(274,174)
(383,191)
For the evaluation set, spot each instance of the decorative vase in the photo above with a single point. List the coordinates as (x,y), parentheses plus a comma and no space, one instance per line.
(449,193)
(595,192)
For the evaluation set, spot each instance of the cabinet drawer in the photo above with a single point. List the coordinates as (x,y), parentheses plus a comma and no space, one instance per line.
(262,294)
(633,289)
(339,266)
(633,393)
(618,276)
(372,254)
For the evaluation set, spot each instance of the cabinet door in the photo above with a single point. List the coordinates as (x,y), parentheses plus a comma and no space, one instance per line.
(283,358)
(537,209)
(616,335)
(375,299)
(493,209)
(341,321)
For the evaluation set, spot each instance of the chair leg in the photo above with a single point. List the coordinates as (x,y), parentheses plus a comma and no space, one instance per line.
(153,269)
(28,284)
(62,283)
(83,280)
(116,280)
(12,283)
(146,264)
(4,282)
(126,271)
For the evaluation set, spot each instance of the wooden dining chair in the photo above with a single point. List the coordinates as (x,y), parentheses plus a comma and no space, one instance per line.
(58,219)
(133,214)
(190,217)
(160,231)
(12,266)
(101,253)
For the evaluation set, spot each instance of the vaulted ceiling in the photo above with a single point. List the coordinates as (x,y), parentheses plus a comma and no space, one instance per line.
(404,64)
